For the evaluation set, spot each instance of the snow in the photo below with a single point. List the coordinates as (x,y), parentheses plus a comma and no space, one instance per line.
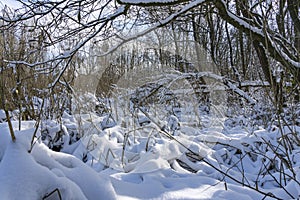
(11,3)
(147,167)
(150,2)
(32,175)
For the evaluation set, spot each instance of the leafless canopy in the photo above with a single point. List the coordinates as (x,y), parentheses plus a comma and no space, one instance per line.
(63,27)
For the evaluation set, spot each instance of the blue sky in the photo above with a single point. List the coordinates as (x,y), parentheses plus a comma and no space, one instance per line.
(10,3)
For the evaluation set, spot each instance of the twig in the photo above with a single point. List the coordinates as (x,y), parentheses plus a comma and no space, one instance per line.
(3,100)
(55,190)
(278,182)
(37,124)
(194,155)
(11,130)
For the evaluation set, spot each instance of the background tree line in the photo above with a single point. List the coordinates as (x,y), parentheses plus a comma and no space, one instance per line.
(45,44)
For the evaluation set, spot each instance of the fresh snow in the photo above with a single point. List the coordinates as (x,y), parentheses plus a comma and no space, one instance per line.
(114,163)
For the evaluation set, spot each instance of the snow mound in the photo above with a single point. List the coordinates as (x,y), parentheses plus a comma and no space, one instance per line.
(34,175)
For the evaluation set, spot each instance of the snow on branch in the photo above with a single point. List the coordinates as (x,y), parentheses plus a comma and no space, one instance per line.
(157,25)
(228,83)
(70,53)
(258,33)
(152,2)
(255,31)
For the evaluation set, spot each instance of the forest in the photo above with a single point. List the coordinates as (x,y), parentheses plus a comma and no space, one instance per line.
(149,99)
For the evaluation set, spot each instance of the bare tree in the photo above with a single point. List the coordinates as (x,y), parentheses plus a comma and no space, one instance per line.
(65,19)
(267,29)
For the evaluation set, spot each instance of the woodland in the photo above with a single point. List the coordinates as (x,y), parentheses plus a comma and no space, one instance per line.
(150,99)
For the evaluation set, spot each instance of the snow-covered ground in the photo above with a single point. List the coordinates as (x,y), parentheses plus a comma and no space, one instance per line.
(211,163)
